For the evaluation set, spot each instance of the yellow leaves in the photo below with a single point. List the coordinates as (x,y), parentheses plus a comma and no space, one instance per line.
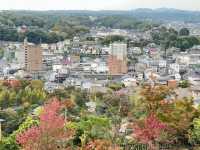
(37,111)
(156,93)
(153,96)
(26,104)
(36,84)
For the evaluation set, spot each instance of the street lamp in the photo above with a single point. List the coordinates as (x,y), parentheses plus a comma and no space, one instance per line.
(1,120)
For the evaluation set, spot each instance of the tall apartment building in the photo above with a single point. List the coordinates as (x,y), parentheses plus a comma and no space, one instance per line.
(117,60)
(119,50)
(33,57)
(19,56)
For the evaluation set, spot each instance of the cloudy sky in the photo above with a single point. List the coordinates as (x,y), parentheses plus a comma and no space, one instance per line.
(97,4)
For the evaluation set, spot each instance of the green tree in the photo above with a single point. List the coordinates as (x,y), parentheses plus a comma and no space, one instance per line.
(116,86)
(186,42)
(36,84)
(179,117)
(184,32)
(9,143)
(1,53)
(195,132)
(91,127)
(184,84)
(113,38)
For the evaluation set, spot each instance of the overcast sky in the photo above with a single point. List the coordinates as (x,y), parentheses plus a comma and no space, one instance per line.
(97,4)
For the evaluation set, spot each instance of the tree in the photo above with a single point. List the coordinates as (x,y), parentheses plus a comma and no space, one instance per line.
(91,128)
(116,86)
(80,97)
(165,37)
(36,84)
(177,114)
(49,132)
(153,96)
(1,53)
(184,84)
(101,144)
(149,130)
(195,132)
(9,143)
(186,42)
(184,32)
(112,38)
(178,117)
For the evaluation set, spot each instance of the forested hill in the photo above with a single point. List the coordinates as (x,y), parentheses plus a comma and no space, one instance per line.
(167,14)
(54,26)
(161,14)
(157,15)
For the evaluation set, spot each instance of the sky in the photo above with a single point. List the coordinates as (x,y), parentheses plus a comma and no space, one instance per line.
(97,4)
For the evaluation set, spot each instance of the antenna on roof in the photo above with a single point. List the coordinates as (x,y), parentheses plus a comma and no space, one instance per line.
(25,40)
(40,40)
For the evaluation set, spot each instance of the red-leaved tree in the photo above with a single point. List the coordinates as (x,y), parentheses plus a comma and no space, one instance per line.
(50,131)
(149,130)
(100,144)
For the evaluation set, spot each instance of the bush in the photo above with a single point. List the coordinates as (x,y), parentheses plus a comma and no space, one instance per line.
(184,84)
(9,143)
(116,86)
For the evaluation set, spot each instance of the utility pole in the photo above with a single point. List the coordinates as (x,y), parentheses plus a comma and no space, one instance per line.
(1,120)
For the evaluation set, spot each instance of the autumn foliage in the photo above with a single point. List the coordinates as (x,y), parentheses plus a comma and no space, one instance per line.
(69,104)
(50,131)
(154,96)
(12,83)
(149,130)
(100,144)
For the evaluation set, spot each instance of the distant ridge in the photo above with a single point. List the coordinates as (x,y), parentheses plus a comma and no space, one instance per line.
(159,14)
(167,14)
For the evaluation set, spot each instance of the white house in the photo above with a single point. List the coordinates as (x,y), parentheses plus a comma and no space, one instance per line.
(177,77)
(174,68)
(57,67)
(183,59)
(129,81)
(162,63)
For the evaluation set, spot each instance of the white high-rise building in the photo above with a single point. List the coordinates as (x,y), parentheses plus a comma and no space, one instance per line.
(119,50)
(117,60)
(19,55)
